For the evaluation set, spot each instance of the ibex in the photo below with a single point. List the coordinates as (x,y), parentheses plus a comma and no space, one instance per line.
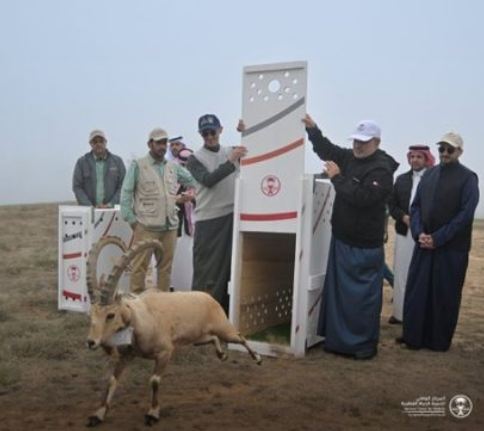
(158,321)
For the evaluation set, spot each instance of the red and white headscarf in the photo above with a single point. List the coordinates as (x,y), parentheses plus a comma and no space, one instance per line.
(422,149)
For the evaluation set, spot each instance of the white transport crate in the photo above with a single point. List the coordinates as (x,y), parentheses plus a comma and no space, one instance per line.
(79,228)
(282,217)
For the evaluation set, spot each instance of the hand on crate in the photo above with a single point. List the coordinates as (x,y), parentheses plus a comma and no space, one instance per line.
(237,152)
(241,126)
(309,123)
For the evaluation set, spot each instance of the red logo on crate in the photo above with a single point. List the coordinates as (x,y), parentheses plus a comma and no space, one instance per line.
(74,273)
(270,185)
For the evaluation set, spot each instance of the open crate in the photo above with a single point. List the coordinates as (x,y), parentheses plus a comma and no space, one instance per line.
(281,217)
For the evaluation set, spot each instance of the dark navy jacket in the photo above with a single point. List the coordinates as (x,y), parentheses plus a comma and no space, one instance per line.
(362,190)
(444,206)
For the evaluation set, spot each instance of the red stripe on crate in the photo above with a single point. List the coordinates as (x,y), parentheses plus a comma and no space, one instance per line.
(272,154)
(71,295)
(71,255)
(268,217)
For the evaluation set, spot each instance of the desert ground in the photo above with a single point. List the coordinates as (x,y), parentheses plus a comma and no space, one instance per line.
(49,380)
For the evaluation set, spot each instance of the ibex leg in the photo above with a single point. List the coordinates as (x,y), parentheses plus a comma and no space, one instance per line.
(213,339)
(161,362)
(233,337)
(100,413)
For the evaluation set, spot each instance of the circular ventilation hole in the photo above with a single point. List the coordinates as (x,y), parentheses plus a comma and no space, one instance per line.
(295,96)
(280,97)
(266,98)
(294,81)
(252,85)
(261,77)
(274,86)
(287,90)
(286,74)
(251,99)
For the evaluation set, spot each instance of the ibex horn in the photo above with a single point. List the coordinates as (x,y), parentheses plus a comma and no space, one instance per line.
(91,266)
(108,292)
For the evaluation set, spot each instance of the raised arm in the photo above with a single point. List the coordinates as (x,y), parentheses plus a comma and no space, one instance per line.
(322,146)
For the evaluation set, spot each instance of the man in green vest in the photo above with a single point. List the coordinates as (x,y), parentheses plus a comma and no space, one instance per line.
(98,175)
(148,204)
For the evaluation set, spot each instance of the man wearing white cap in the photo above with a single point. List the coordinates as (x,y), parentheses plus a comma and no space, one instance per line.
(98,175)
(352,295)
(148,204)
(441,219)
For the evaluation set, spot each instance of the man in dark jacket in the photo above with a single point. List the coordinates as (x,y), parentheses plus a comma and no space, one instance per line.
(352,295)
(98,175)
(419,158)
(441,221)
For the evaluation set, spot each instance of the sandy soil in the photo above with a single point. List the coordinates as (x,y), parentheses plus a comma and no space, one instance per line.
(50,381)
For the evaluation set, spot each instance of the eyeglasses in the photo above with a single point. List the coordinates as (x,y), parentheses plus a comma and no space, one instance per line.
(444,148)
(209,132)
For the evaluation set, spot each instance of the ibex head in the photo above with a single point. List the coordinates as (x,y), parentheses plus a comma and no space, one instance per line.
(106,320)
(109,314)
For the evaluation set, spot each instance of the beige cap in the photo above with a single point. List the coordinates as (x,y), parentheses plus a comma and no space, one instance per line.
(453,139)
(96,133)
(158,134)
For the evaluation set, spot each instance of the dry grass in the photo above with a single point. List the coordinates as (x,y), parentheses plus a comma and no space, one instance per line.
(50,381)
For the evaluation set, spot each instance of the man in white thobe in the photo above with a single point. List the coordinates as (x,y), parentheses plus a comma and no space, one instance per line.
(419,158)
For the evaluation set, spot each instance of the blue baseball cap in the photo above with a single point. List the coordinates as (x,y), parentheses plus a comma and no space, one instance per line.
(208,122)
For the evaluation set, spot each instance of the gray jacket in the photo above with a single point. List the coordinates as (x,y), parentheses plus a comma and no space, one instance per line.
(84,179)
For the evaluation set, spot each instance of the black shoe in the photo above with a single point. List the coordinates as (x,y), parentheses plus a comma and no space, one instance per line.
(394,321)
(364,356)
(403,343)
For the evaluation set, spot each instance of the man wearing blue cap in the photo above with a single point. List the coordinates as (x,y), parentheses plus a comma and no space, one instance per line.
(215,168)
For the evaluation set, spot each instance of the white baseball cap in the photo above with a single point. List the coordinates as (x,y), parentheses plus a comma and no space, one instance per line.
(95,133)
(453,139)
(366,130)
(158,134)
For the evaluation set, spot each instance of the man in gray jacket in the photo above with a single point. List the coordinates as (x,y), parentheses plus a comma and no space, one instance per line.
(98,175)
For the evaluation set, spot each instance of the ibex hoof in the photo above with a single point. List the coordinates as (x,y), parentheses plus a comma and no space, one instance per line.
(93,421)
(258,360)
(222,356)
(150,420)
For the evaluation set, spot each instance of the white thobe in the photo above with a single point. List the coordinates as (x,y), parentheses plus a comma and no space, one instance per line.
(403,255)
